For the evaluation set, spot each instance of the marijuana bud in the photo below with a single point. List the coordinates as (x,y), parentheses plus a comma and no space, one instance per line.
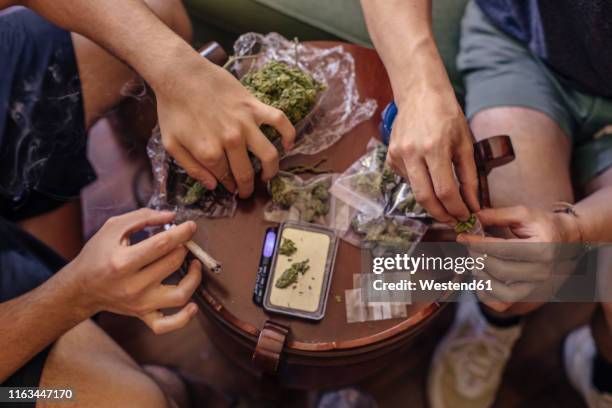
(195,191)
(287,247)
(472,226)
(290,275)
(289,89)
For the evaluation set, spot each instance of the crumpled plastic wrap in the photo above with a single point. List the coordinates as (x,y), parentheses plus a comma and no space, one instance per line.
(339,108)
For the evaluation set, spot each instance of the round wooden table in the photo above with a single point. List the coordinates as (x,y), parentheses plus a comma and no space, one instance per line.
(329,352)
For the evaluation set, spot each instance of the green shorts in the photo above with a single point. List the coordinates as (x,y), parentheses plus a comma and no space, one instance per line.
(500,71)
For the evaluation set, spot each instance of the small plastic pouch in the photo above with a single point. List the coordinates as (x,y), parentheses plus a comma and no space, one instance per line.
(371,187)
(301,271)
(361,310)
(368,184)
(403,202)
(309,201)
(381,233)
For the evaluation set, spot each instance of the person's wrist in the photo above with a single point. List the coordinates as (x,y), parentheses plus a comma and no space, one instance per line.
(181,65)
(569,227)
(423,74)
(430,90)
(74,294)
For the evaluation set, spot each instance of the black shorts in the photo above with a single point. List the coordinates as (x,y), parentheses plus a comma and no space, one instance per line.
(43,144)
(43,160)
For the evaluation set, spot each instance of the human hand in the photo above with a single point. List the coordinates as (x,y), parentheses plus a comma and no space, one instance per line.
(519,266)
(114,276)
(209,122)
(430,135)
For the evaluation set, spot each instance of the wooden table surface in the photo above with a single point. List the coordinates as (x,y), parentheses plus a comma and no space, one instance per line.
(236,242)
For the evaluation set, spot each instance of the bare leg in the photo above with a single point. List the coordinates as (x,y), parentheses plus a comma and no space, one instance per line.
(98,371)
(541,167)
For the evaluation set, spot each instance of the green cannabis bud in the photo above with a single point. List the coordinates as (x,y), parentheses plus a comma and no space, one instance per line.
(466,226)
(283,191)
(195,191)
(289,89)
(287,247)
(290,275)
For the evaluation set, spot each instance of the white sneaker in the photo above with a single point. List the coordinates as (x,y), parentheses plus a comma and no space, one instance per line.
(578,354)
(467,366)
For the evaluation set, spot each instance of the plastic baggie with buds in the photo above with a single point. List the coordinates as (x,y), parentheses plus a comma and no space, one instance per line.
(382,232)
(305,200)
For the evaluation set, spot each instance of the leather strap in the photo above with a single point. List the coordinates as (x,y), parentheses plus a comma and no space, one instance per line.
(269,347)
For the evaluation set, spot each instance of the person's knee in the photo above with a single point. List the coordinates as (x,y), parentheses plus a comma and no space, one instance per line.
(542,163)
(174,15)
(83,358)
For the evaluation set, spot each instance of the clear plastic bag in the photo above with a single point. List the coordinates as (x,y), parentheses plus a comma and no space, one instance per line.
(371,187)
(175,190)
(403,202)
(296,199)
(384,233)
(368,183)
(338,109)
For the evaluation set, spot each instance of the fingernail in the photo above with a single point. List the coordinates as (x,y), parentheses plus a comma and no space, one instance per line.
(192,226)
(193,309)
(211,184)
(197,264)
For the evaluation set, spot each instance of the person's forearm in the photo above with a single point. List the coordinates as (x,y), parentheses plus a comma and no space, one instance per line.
(595,216)
(31,322)
(126,28)
(402,33)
